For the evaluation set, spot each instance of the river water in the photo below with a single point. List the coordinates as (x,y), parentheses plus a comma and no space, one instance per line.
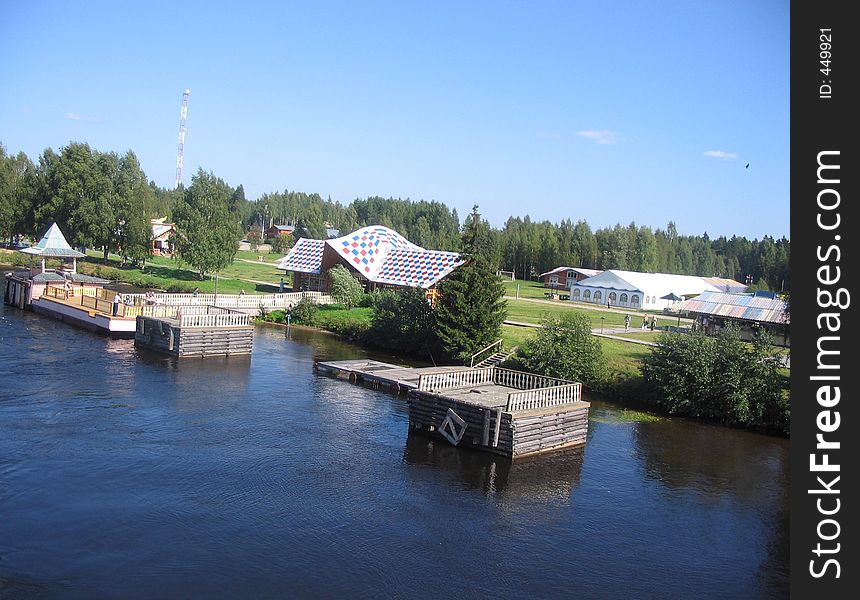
(124,474)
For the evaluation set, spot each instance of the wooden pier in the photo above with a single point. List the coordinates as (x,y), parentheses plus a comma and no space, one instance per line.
(194,331)
(498,410)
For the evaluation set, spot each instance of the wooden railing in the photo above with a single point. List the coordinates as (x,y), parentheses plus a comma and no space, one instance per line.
(537,391)
(60,292)
(227,319)
(544,397)
(524,381)
(99,304)
(434,382)
(492,348)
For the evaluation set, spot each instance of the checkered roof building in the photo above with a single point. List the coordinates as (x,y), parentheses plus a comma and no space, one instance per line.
(380,254)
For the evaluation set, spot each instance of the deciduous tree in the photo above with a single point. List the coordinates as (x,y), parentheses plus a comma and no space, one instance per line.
(207,232)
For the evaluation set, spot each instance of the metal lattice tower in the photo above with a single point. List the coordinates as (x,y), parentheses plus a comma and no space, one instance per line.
(183,116)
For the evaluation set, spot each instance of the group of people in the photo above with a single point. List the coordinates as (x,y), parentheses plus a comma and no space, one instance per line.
(644,322)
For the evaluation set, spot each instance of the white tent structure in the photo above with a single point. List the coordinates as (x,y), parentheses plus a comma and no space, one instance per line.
(631,289)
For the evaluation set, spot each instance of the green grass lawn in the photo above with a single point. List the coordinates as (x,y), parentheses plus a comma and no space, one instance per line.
(515,336)
(169,274)
(624,358)
(527,289)
(533,312)
(335,317)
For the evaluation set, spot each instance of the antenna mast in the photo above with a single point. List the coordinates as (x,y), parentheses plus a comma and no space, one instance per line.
(183,115)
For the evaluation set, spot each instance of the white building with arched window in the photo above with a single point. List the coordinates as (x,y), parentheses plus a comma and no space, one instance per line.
(631,289)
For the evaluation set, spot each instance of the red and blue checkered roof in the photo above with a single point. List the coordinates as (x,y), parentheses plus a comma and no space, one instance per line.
(380,254)
(417,268)
(304,257)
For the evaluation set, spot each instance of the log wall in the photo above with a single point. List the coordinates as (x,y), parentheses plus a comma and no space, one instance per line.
(550,429)
(427,411)
(510,434)
(167,337)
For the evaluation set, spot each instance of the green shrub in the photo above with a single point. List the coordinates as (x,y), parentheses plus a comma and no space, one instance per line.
(345,289)
(564,348)
(305,312)
(720,378)
(403,321)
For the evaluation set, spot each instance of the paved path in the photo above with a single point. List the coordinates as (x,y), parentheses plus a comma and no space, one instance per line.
(258,262)
(599,307)
(608,332)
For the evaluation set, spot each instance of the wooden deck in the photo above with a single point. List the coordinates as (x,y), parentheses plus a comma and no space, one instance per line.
(379,374)
(72,310)
(498,410)
(197,331)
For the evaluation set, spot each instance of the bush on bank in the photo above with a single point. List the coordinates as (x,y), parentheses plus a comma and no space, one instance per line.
(720,378)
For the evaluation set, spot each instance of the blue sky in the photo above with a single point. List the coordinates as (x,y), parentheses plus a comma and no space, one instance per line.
(609,112)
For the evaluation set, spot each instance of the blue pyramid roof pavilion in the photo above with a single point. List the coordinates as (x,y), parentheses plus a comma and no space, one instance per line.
(53,245)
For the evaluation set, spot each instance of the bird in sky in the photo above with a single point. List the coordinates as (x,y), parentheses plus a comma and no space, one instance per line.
(747,167)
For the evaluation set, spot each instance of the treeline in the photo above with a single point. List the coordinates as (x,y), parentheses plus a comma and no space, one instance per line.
(98,199)
(31,194)
(529,248)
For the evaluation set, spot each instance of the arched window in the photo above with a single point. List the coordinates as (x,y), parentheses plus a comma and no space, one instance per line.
(598,296)
(612,297)
(575,293)
(586,295)
(634,300)
(624,298)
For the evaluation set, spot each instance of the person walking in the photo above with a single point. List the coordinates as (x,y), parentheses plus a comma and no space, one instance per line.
(626,322)
(653,323)
(644,322)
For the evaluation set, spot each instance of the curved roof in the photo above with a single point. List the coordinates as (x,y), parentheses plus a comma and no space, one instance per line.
(380,254)
(366,249)
(304,257)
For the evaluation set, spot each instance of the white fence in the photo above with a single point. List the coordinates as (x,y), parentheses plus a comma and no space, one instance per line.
(537,391)
(524,381)
(544,397)
(228,319)
(238,301)
(434,382)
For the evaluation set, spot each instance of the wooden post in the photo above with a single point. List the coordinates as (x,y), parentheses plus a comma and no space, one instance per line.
(485,435)
(498,425)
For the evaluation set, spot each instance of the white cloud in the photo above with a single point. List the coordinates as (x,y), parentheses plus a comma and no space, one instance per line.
(604,136)
(721,155)
(76,117)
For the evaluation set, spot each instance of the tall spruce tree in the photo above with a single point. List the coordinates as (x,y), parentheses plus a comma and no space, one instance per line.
(470,308)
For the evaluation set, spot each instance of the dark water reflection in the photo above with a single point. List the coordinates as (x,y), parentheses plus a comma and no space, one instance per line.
(124,474)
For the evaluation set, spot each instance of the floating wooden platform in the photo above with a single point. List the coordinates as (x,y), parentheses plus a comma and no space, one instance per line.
(498,410)
(208,331)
